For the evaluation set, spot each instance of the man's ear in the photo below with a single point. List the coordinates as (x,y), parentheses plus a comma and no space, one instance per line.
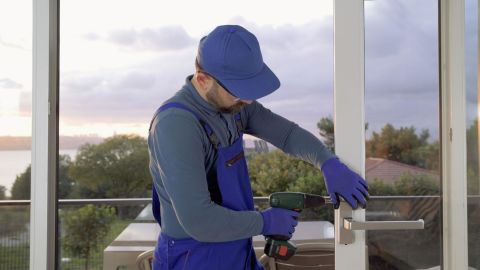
(203,80)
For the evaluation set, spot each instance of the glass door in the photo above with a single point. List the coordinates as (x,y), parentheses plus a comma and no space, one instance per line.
(115,73)
(387,127)
(473,112)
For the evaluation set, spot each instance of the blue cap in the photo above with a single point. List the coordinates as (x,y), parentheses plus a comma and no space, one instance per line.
(232,55)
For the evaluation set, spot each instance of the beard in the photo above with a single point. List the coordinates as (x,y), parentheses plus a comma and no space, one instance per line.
(213,98)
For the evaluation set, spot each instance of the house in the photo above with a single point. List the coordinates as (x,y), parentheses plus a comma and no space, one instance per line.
(389,171)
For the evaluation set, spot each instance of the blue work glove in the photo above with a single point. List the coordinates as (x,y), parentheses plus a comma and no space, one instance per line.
(279,221)
(341,181)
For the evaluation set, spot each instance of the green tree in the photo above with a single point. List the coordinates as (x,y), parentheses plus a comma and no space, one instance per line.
(405,146)
(379,188)
(276,171)
(421,184)
(14,220)
(86,229)
(407,184)
(65,182)
(326,130)
(21,186)
(473,187)
(472,149)
(116,168)
(402,145)
(472,159)
(3,191)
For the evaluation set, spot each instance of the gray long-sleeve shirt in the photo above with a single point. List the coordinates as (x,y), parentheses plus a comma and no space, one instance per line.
(181,155)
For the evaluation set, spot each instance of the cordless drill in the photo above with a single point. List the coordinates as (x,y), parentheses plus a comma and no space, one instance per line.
(279,246)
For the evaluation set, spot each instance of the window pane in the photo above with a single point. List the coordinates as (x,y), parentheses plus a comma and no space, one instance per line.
(15,132)
(473,179)
(115,72)
(402,136)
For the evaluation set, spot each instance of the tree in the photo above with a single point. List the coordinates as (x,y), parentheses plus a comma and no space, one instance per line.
(326,130)
(3,190)
(116,168)
(421,184)
(65,182)
(407,184)
(379,188)
(472,159)
(402,145)
(276,171)
(21,186)
(405,146)
(86,229)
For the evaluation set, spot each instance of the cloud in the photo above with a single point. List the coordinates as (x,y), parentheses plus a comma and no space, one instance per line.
(300,55)
(402,65)
(401,79)
(116,96)
(11,45)
(7,83)
(168,38)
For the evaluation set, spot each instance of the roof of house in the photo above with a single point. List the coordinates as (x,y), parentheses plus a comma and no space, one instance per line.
(390,171)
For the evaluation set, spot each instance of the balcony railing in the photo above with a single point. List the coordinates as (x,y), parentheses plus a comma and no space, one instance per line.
(15,219)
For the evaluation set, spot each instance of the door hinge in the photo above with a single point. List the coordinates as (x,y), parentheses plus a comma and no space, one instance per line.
(450,134)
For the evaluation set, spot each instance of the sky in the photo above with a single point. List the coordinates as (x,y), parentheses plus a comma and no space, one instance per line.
(117,65)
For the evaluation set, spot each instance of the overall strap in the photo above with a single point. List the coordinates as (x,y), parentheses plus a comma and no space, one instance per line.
(211,136)
(238,122)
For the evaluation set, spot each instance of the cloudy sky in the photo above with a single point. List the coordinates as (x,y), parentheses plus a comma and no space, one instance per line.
(121,59)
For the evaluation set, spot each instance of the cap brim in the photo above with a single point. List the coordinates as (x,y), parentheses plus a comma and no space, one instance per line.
(253,88)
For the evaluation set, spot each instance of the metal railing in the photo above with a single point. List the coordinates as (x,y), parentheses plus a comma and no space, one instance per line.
(14,251)
(116,202)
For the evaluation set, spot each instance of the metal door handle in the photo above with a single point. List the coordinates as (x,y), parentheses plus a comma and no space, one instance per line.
(349,224)
(345,225)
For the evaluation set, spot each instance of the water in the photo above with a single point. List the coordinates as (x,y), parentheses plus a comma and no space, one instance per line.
(13,163)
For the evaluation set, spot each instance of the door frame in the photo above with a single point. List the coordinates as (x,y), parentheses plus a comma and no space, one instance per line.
(349,118)
(349,115)
(453,136)
(43,206)
(349,111)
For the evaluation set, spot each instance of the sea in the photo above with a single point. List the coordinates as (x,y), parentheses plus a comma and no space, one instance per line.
(13,163)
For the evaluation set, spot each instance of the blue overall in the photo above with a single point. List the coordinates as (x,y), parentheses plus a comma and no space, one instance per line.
(234,192)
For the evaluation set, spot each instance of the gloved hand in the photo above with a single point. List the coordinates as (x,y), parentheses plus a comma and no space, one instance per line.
(279,221)
(341,181)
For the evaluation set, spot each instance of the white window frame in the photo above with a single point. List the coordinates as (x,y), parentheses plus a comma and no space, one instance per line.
(349,121)
(453,115)
(43,207)
(349,116)
(349,127)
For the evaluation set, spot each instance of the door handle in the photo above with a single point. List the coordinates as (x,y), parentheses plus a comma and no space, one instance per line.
(345,225)
(352,225)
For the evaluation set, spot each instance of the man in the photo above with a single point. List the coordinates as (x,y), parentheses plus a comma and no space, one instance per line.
(202,194)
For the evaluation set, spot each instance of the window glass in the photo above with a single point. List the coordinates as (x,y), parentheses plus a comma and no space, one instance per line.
(402,131)
(116,70)
(473,179)
(15,132)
